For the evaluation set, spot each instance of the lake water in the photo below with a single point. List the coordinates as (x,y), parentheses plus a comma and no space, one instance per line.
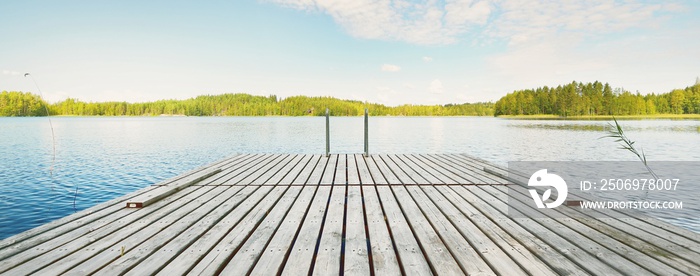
(102,158)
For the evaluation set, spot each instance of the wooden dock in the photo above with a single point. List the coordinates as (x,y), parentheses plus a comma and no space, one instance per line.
(271,214)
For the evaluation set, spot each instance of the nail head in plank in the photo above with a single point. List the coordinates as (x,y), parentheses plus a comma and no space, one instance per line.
(356,254)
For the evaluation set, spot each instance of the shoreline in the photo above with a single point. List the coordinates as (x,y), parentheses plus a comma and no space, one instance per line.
(506,117)
(603,117)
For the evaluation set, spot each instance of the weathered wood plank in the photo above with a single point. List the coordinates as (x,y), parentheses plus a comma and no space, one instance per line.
(231,243)
(376,174)
(385,171)
(527,250)
(106,238)
(224,164)
(439,257)
(478,167)
(329,248)
(422,175)
(274,255)
(341,171)
(242,263)
(154,195)
(352,171)
(271,213)
(489,217)
(468,168)
(282,171)
(255,170)
(654,231)
(34,237)
(436,169)
(403,177)
(499,249)
(485,164)
(469,252)
(590,262)
(302,253)
(63,233)
(329,172)
(655,235)
(355,253)
(411,257)
(652,246)
(364,174)
(69,232)
(384,260)
(230,170)
(180,231)
(618,244)
(163,256)
(234,175)
(665,227)
(297,171)
(132,241)
(437,174)
(599,247)
(240,205)
(447,166)
(272,172)
(311,175)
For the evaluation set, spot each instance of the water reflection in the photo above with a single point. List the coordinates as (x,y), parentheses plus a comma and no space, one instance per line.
(107,157)
(563,127)
(606,127)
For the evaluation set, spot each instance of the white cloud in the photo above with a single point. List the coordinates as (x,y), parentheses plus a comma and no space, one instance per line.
(390,68)
(386,95)
(616,61)
(11,73)
(555,42)
(464,98)
(523,21)
(427,59)
(462,12)
(517,21)
(435,87)
(420,22)
(56,96)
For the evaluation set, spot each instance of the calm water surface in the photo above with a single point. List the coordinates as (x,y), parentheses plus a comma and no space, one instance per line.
(102,158)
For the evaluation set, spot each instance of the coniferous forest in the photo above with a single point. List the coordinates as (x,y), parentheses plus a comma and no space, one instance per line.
(579,99)
(27,104)
(574,99)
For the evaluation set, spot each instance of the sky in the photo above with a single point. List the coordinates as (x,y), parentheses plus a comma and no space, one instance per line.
(385,51)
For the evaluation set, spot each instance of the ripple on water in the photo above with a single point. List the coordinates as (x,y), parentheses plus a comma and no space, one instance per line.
(108,157)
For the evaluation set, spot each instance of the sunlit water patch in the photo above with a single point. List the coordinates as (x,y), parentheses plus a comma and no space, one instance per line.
(98,159)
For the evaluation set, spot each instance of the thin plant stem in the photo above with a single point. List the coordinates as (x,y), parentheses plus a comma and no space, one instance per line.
(616,132)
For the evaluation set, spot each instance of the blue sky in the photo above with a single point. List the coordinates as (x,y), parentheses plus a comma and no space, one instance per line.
(391,52)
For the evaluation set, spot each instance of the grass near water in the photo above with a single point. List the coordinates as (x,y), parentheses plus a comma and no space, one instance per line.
(604,117)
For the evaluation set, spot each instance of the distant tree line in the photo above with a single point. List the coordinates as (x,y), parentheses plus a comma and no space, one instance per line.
(596,98)
(27,104)
(21,104)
